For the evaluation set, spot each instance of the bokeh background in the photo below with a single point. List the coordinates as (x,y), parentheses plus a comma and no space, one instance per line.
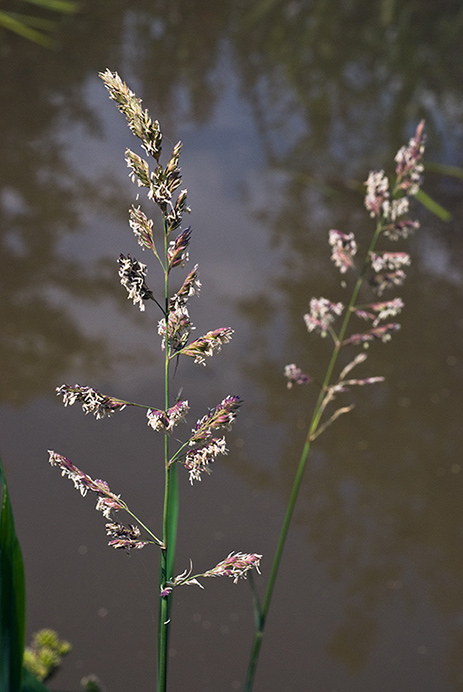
(283,107)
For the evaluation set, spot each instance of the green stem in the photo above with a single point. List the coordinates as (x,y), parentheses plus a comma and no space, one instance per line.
(313,426)
(170,511)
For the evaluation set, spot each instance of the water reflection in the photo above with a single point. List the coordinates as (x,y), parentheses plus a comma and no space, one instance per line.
(328,90)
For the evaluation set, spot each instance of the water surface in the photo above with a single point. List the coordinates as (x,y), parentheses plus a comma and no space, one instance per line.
(283,107)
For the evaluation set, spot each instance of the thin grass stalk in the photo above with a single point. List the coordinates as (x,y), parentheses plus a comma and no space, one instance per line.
(391,216)
(170,509)
(261,612)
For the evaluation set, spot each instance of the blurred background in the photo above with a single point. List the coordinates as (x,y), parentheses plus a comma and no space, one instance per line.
(283,107)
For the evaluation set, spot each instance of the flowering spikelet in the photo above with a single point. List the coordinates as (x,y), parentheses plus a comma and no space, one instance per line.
(388,268)
(380,311)
(171,175)
(132,275)
(139,120)
(222,416)
(377,192)
(206,446)
(294,375)
(91,399)
(322,313)
(139,169)
(208,344)
(343,250)
(175,214)
(400,229)
(409,166)
(160,192)
(167,420)
(382,333)
(236,566)
(380,282)
(142,228)
(394,209)
(190,287)
(107,501)
(389,261)
(178,330)
(177,252)
(197,460)
(124,537)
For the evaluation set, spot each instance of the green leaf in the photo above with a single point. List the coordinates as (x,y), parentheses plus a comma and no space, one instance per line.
(443,169)
(19,27)
(433,206)
(65,6)
(31,684)
(12,597)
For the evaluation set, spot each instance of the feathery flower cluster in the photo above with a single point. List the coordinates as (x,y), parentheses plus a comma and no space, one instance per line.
(190,287)
(178,331)
(132,275)
(236,566)
(343,250)
(221,416)
(322,314)
(207,345)
(294,375)
(165,181)
(91,399)
(142,228)
(380,311)
(383,333)
(396,208)
(390,205)
(409,167)
(140,170)
(175,214)
(206,446)
(197,460)
(138,120)
(107,501)
(389,261)
(387,268)
(166,420)
(400,229)
(377,192)
(177,252)
(124,537)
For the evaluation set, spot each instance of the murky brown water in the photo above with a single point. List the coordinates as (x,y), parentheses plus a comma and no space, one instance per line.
(283,107)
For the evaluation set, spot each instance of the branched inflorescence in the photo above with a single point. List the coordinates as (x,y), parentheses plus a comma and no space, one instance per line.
(389,205)
(381,269)
(170,247)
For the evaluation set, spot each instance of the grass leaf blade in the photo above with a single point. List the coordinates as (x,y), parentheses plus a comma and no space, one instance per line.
(12,596)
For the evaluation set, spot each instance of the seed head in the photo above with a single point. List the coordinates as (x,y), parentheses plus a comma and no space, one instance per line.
(91,399)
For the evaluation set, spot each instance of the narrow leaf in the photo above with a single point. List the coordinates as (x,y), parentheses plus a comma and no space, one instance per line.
(18,27)
(65,6)
(433,206)
(12,597)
